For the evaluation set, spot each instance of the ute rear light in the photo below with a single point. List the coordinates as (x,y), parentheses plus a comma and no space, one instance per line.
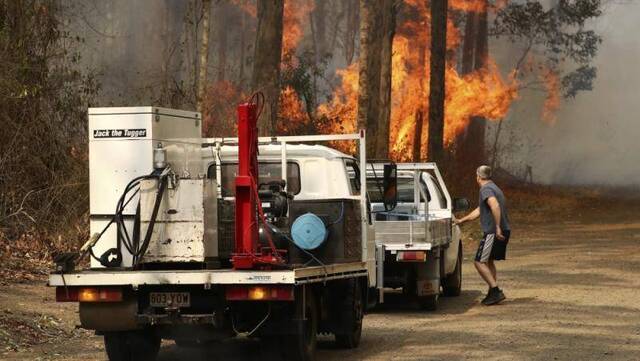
(411,256)
(88,294)
(259,293)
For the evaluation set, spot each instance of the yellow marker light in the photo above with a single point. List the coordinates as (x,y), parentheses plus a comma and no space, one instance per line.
(257,293)
(91,294)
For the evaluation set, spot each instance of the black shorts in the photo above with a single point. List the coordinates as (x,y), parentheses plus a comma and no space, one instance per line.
(491,248)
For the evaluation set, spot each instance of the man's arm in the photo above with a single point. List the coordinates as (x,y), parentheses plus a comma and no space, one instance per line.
(469,217)
(497,215)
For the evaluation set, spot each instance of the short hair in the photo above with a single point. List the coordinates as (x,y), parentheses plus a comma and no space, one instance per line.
(484,172)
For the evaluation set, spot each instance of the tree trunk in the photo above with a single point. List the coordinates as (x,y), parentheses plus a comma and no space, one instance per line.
(475,138)
(223,32)
(351,29)
(320,27)
(243,45)
(419,120)
(389,8)
(204,53)
(470,39)
(266,65)
(463,150)
(417,137)
(437,79)
(369,74)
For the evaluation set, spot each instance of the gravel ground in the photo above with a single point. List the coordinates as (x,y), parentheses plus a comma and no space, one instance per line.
(573,293)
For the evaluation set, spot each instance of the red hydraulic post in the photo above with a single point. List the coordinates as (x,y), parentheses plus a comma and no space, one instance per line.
(246,179)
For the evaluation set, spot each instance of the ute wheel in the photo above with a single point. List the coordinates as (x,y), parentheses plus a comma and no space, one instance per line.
(301,346)
(452,285)
(351,312)
(428,303)
(142,345)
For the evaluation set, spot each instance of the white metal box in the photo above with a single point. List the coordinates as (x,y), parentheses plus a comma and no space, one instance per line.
(185,228)
(121,143)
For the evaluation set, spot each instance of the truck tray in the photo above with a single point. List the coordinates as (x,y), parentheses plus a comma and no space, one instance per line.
(296,276)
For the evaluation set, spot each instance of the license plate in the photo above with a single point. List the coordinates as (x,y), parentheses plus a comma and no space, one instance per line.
(170,299)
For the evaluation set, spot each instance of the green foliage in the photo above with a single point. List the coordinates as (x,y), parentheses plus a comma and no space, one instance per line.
(300,72)
(579,80)
(559,34)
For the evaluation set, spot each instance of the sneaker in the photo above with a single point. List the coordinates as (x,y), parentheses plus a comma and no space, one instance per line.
(494,297)
(486,297)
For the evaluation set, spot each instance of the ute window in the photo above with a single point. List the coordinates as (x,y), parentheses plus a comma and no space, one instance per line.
(405,190)
(353,172)
(268,172)
(440,200)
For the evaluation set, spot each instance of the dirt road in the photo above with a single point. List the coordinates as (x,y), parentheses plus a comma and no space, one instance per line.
(573,293)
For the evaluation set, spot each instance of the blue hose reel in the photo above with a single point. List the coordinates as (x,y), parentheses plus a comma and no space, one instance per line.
(309,231)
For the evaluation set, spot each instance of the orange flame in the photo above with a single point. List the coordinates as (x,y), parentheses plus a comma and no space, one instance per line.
(466,5)
(292,109)
(219,108)
(295,14)
(551,82)
(484,93)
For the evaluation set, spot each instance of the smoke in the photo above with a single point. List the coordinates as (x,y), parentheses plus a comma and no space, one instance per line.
(139,49)
(595,139)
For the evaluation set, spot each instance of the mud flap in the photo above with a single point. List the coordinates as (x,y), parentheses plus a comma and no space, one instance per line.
(428,275)
(108,317)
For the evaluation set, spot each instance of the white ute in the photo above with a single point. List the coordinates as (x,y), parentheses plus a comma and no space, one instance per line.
(418,247)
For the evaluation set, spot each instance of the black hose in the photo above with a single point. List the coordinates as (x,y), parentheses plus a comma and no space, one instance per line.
(122,238)
(154,214)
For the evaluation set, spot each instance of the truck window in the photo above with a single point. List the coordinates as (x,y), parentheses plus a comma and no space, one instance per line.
(353,172)
(268,172)
(405,190)
(439,200)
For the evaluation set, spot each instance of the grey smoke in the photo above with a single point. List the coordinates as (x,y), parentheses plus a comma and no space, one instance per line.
(596,137)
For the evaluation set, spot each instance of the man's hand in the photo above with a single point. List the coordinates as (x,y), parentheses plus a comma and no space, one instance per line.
(469,217)
(499,234)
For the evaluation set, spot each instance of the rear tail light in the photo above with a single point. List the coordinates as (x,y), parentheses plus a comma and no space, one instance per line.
(88,294)
(411,256)
(259,293)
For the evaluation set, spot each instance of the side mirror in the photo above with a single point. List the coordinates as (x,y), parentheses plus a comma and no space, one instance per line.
(390,184)
(460,204)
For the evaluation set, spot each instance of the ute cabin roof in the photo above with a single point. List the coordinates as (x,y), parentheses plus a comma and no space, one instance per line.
(319,172)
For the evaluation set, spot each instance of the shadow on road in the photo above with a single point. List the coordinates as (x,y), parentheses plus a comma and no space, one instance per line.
(395,302)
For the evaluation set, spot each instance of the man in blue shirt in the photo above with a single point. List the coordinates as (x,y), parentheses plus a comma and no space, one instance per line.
(494,220)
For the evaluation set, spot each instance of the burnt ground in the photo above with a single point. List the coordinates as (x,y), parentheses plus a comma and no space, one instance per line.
(572,282)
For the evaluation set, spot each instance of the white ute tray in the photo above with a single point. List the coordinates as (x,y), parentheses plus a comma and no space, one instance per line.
(296,276)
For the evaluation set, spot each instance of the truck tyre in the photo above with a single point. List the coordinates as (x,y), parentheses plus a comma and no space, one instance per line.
(301,346)
(452,284)
(428,303)
(351,313)
(141,345)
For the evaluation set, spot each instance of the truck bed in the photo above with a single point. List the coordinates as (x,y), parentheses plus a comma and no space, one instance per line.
(295,276)
(418,233)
